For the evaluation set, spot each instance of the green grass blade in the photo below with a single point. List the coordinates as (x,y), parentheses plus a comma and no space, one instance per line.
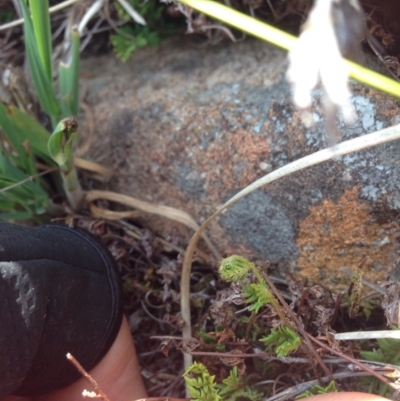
(43,84)
(20,128)
(41,26)
(69,79)
(16,216)
(64,72)
(11,134)
(9,175)
(29,197)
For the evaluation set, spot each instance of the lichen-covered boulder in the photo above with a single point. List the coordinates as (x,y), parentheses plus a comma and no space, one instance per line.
(188,127)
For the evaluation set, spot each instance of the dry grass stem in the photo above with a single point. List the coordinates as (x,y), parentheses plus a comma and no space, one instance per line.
(300,329)
(367,335)
(103,173)
(356,362)
(53,9)
(160,210)
(98,391)
(29,179)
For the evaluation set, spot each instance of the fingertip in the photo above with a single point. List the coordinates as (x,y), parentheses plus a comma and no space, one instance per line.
(349,396)
(117,374)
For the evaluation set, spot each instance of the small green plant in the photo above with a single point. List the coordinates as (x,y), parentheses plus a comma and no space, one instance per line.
(234,387)
(388,352)
(202,387)
(136,37)
(200,384)
(317,389)
(129,38)
(282,341)
(236,268)
(24,194)
(257,295)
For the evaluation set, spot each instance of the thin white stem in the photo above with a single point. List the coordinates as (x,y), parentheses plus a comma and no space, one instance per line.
(53,9)
(132,12)
(366,335)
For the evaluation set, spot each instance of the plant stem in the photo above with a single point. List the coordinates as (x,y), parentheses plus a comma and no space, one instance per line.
(72,188)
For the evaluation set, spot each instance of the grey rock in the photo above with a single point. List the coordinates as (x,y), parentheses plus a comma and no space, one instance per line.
(188,127)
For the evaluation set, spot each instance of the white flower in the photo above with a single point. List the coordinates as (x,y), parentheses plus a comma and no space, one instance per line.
(316,57)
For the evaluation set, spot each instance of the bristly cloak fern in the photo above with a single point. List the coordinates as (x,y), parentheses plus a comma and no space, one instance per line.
(236,268)
(388,352)
(202,386)
(317,389)
(257,295)
(283,341)
(131,37)
(234,387)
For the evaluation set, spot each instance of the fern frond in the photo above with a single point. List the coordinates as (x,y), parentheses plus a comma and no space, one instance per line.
(317,389)
(258,295)
(201,384)
(282,341)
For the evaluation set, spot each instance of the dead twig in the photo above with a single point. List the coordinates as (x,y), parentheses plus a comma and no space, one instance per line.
(292,392)
(299,328)
(99,393)
(356,362)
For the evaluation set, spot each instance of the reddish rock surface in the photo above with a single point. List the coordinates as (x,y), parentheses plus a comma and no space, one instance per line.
(189,126)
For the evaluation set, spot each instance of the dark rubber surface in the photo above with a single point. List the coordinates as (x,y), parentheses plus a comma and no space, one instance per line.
(60,292)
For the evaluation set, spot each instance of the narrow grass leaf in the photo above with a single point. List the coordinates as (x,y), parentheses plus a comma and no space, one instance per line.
(41,26)
(69,79)
(20,128)
(43,85)
(28,215)
(9,174)
(11,133)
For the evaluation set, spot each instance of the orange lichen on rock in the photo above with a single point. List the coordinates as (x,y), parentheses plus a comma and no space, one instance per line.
(236,158)
(338,235)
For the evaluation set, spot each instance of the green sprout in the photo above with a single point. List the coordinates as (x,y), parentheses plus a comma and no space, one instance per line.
(234,387)
(130,38)
(317,389)
(200,384)
(236,268)
(282,341)
(60,149)
(387,352)
(202,387)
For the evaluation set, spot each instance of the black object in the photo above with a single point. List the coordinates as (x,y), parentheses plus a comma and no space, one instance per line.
(59,292)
